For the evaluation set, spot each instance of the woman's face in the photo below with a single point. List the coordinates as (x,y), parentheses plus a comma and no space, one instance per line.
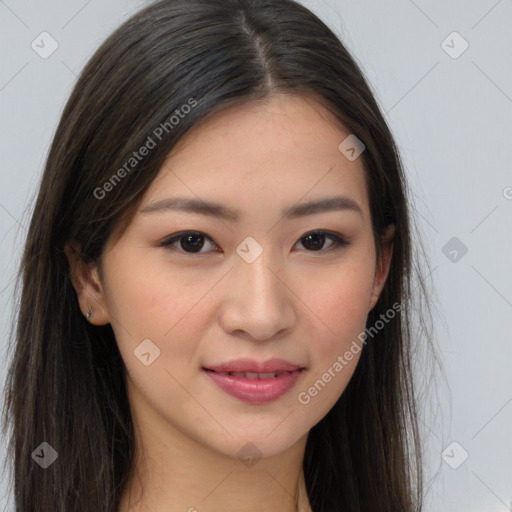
(250,285)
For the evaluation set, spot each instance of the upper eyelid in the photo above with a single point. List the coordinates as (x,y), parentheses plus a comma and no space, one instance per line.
(181,234)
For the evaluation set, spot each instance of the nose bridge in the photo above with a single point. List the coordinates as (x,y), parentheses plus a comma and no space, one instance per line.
(259,302)
(260,276)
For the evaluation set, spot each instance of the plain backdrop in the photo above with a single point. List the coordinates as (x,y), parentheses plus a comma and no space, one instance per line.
(442,74)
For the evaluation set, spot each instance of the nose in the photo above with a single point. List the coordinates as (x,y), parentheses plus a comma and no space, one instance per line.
(257,301)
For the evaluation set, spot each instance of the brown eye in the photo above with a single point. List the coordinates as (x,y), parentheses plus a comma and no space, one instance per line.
(315,241)
(189,242)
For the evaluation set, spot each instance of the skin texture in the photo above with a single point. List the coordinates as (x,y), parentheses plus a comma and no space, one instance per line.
(303,305)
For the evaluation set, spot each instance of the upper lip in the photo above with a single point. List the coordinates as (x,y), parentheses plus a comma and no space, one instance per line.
(250,365)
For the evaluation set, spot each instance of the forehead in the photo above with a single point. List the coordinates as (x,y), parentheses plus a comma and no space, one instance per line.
(292,116)
(282,150)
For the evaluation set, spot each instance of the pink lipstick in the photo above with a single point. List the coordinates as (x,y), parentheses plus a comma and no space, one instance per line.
(255,382)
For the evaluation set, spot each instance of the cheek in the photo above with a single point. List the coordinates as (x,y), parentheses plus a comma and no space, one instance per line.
(340,305)
(338,309)
(334,348)
(167,311)
(150,303)
(172,310)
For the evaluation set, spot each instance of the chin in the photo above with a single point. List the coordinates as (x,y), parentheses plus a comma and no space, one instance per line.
(264,438)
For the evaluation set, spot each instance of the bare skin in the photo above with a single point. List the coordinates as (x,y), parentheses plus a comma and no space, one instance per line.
(294,302)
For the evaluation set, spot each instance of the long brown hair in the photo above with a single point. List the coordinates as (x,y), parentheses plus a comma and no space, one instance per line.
(66,381)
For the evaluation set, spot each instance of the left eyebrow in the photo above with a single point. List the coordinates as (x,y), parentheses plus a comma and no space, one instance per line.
(191,205)
(328,204)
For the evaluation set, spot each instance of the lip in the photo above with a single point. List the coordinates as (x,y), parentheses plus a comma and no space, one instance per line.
(250,365)
(255,391)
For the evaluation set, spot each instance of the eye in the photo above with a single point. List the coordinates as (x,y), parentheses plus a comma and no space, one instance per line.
(191,242)
(316,239)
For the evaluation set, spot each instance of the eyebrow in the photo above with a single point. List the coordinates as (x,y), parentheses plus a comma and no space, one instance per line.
(198,206)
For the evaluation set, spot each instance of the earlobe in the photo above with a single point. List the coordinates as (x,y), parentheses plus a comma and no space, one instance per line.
(87,284)
(383,265)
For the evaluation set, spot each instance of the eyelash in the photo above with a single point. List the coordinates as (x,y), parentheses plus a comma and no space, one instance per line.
(339,241)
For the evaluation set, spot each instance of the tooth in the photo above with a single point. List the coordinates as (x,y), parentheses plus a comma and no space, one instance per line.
(252,375)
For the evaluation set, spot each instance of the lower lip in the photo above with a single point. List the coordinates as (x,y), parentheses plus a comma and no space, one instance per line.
(255,391)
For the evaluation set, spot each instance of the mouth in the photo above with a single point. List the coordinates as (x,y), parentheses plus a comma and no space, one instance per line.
(252,386)
(251,375)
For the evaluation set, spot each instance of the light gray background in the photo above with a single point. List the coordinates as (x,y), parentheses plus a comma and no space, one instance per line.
(452,119)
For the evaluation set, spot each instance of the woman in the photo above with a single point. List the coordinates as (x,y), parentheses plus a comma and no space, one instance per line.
(215,295)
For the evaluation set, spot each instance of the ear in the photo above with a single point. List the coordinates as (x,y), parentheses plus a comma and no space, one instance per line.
(87,283)
(383,265)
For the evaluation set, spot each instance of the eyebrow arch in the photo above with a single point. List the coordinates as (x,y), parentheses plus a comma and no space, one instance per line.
(191,205)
